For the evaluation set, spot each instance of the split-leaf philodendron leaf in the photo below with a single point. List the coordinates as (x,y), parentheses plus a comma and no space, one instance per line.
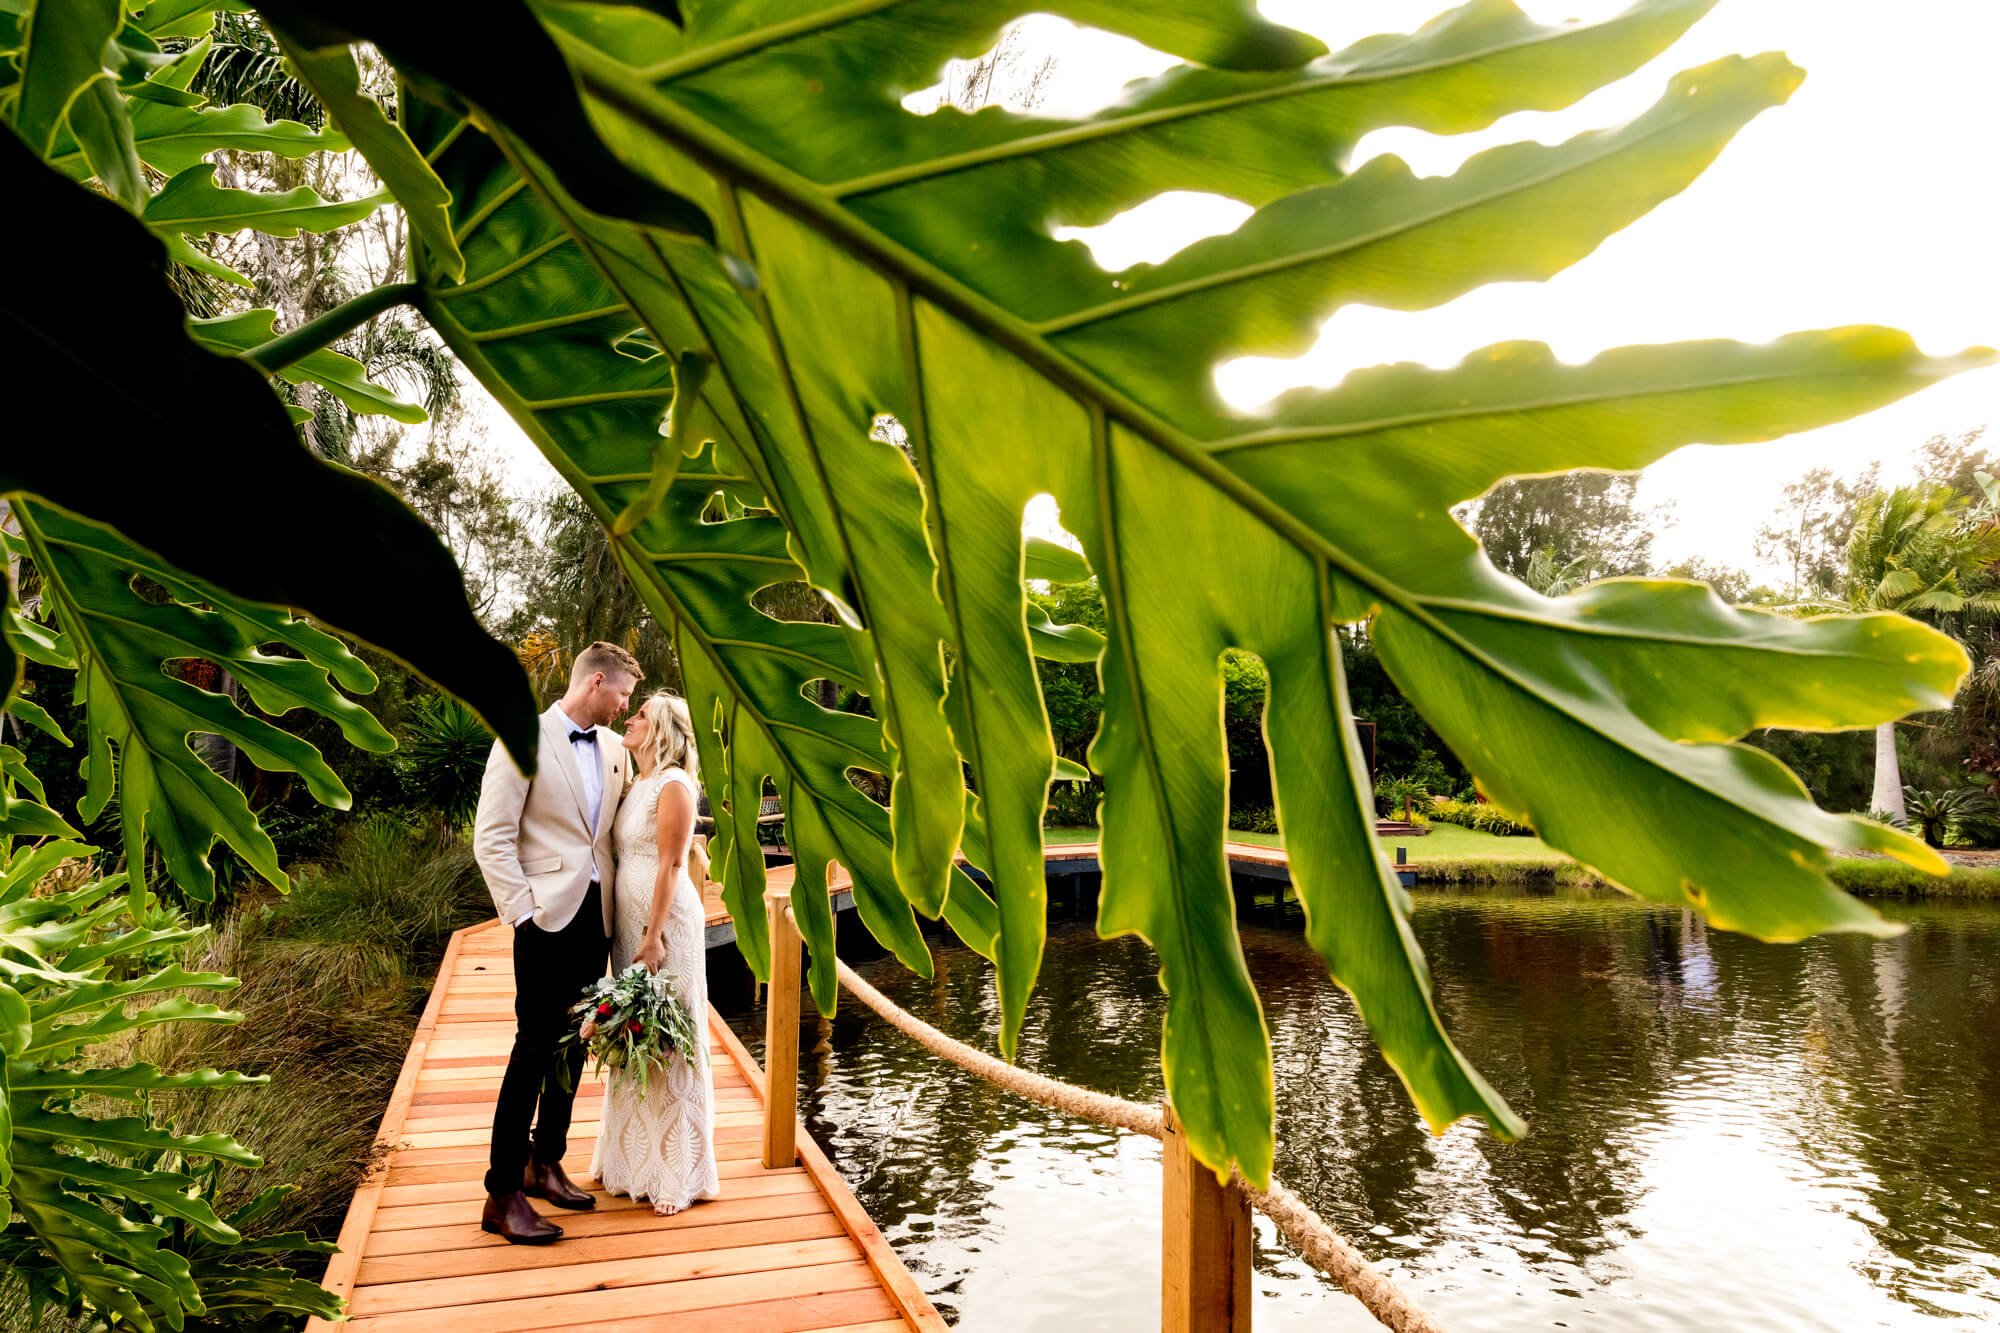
(125,646)
(157,431)
(873,262)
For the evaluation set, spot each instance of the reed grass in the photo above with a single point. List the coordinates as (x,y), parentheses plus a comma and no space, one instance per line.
(335,975)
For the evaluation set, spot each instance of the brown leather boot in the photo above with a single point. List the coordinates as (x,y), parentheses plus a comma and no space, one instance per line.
(513,1217)
(548,1182)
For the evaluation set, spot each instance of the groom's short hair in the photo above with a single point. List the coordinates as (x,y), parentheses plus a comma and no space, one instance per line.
(608,658)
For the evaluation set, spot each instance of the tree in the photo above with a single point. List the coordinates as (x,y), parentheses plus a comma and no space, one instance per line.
(1922,551)
(1808,537)
(1731,584)
(705,364)
(1955,461)
(1588,523)
(574,591)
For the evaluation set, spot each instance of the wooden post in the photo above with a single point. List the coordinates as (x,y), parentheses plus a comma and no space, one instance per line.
(1206,1246)
(781,1034)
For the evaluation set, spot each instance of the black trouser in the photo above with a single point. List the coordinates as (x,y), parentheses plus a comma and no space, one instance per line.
(552,969)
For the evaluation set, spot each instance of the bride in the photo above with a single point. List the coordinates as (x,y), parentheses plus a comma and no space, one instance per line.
(659,1145)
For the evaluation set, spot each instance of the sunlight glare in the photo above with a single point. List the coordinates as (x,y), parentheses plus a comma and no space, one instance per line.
(1340,26)
(1043,66)
(1158,229)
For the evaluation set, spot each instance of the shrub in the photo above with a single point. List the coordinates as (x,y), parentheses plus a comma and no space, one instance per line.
(1481,816)
(445,757)
(1936,814)
(1073,805)
(1253,818)
(1398,798)
(1430,772)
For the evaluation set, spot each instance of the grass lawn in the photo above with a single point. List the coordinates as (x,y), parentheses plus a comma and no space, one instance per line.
(1449,842)
(1449,854)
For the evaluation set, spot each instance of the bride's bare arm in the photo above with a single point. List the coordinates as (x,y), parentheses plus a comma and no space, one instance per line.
(676,822)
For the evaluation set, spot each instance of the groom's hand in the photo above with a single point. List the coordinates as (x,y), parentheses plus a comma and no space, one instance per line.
(653,954)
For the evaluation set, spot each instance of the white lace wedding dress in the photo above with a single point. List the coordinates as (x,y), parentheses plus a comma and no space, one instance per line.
(660,1145)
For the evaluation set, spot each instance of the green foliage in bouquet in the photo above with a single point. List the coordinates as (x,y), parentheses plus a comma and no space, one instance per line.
(633,1023)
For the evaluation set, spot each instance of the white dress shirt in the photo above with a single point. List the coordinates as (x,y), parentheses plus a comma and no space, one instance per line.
(590,768)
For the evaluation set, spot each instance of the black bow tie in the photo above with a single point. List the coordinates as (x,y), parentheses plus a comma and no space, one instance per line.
(576,736)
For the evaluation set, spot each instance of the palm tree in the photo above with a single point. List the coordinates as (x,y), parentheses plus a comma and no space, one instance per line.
(1552,576)
(1927,552)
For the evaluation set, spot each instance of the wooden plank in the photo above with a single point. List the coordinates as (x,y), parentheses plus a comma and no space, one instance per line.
(603,1275)
(648,1301)
(1205,1247)
(463,1236)
(378,1269)
(578,1158)
(467,1191)
(790,1314)
(459,1184)
(400,1174)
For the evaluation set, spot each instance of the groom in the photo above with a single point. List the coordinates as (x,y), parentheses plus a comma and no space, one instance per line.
(544,846)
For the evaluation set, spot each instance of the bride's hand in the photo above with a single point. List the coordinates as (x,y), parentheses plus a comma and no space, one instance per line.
(653,953)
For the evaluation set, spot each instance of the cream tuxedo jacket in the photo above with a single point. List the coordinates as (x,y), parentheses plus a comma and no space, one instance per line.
(532,838)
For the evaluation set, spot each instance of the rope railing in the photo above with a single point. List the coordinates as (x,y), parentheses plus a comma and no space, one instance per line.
(1317,1242)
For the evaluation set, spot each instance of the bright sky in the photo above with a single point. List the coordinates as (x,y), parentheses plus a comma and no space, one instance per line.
(1868,198)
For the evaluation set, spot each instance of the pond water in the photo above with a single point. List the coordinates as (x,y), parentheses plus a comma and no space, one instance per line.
(1724,1133)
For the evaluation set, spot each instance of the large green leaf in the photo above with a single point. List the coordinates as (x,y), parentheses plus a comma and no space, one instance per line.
(111,340)
(905,267)
(343,376)
(192,203)
(166,1192)
(598,417)
(142,714)
(174,139)
(494,54)
(128,1081)
(181,18)
(62,55)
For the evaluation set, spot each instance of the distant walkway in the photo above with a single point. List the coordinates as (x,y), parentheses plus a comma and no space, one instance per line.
(783,1250)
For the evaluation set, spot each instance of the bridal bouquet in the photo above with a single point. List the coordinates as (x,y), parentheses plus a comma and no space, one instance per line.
(633,1022)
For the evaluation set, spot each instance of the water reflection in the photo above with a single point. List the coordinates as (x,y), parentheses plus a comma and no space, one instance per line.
(1724,1133)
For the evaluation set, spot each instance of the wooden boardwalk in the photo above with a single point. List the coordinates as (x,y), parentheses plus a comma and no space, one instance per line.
(784,1249)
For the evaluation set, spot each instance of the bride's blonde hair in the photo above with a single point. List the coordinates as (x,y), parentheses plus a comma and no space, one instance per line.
(670,732)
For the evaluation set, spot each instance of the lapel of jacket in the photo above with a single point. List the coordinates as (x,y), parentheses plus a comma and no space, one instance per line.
(610,779)
(555,727)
